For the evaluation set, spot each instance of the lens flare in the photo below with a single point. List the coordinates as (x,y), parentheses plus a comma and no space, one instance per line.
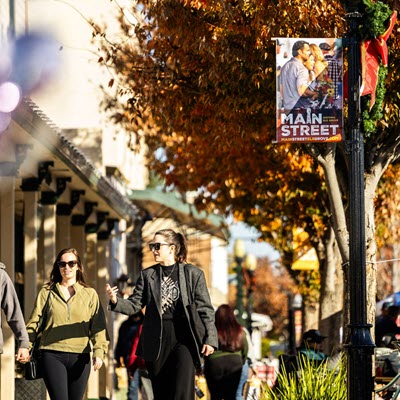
(5,120)
(35,60)
(10,96)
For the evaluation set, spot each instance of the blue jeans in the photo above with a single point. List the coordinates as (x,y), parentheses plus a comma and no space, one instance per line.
(133,386)
(243,379)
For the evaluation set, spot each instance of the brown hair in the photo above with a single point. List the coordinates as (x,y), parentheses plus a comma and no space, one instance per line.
(178,240)
(55,275)
(230,332)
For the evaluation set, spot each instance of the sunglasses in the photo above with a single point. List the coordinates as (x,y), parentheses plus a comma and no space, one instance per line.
(157,246)
(63,264)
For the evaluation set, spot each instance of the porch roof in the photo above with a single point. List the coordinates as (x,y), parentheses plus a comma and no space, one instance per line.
(168,205)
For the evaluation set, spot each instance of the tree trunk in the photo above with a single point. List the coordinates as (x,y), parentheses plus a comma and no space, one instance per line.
(371,182)
(311,316)
(396,268)
(339,225)
(331,301)
(336,206)
(334,301)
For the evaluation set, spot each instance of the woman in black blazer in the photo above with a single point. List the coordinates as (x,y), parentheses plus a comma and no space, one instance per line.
(167,342)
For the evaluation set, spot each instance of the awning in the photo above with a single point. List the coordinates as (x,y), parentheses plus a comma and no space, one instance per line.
(159,204)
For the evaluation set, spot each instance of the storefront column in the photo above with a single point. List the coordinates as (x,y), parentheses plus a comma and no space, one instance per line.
(106,373)
(91,259)
(49,237)
(91,275)
(78,240)
(63,232)
(7,256)
(30,250)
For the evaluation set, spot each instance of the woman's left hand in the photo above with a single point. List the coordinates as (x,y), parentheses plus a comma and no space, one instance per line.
(97,363)
(207,349)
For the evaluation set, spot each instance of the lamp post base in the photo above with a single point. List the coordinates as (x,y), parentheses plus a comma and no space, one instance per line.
(360,349)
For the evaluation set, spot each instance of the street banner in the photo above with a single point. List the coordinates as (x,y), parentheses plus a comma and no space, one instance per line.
(309,90)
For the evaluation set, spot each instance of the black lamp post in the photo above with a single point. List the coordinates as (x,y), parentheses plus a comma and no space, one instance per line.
(295,304)
(250,263)
(291,327)
(239,253)
(359,343)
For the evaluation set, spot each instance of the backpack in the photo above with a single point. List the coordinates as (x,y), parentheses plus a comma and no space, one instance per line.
(135,362)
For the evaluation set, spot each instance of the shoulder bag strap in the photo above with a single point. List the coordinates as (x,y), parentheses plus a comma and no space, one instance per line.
(42,321)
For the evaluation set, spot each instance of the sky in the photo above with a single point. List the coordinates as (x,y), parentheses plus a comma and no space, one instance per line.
(249,236)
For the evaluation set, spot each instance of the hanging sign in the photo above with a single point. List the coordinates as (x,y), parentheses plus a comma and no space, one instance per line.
(309,95)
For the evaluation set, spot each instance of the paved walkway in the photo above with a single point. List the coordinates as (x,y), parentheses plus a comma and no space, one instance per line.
(121,394)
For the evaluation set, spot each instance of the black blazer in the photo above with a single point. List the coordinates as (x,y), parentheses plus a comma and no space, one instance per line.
(147,293)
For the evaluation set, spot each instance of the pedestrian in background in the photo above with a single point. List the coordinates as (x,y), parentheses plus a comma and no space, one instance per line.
(384,311)
(311,346)
(15,319)
(223,368)
(124,353)
(74,319)
(386,328)
(167,343)
(309,349)
(247,368)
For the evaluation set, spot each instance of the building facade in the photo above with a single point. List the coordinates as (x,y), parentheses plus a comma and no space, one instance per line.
(51,197)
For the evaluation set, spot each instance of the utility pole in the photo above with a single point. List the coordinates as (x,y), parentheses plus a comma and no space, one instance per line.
(359,344)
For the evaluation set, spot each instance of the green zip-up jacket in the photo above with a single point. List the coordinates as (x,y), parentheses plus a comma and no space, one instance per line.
(74,326)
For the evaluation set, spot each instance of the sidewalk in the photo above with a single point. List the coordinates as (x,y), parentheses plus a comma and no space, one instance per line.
(121,394)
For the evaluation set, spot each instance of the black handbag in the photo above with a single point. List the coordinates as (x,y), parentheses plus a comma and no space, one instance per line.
(32,368)
(196,322)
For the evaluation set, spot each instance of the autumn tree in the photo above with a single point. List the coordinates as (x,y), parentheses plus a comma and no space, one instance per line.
(195,81)
(272,287)
(388,227)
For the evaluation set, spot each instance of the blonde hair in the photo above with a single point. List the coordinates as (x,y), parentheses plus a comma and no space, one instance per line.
(317,53)
(321,65)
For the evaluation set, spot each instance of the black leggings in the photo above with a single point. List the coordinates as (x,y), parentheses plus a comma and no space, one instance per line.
(65,374)
(175,381)
(172,374)
(223,375)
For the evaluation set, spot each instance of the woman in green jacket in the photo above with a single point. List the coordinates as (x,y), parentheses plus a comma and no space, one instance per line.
(74,326)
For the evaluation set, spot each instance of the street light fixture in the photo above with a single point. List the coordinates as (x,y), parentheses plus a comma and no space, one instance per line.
(250,264)
(239,252)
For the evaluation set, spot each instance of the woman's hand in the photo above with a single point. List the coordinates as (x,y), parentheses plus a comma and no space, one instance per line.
(112,293)
(97,363)
(22,355)
(207,349)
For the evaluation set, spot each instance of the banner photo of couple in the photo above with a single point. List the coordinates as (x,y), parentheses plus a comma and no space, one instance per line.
(309,90)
